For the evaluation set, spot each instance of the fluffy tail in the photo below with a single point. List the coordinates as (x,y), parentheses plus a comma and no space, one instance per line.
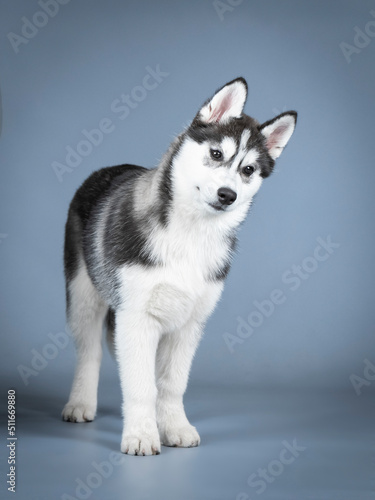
(110,327)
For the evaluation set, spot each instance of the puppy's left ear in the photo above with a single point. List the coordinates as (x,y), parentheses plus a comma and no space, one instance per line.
(278,131)
(228,102)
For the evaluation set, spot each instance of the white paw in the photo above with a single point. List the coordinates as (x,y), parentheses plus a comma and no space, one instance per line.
(141,444)
(78,412)
(184,437)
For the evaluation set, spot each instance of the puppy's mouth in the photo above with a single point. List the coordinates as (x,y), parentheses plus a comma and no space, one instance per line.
(217,206)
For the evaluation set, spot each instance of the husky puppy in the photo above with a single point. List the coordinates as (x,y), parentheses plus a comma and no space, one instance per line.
(147,252)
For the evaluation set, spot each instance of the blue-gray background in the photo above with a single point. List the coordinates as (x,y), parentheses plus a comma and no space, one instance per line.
(65,79)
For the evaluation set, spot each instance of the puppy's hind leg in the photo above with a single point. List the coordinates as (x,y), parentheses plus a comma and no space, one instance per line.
(86,312)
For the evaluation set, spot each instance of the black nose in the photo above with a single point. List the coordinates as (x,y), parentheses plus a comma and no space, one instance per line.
(226,196)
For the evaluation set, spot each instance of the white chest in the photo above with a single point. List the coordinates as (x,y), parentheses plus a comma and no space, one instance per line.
(192,251)
(178,290)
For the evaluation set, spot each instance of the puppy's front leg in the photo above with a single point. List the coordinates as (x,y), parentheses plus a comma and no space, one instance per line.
(173,361)
(136,340)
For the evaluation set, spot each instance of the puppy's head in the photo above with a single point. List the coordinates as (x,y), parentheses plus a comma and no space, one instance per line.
(225,154)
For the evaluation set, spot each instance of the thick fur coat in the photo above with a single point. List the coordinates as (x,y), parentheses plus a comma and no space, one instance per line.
(147,252)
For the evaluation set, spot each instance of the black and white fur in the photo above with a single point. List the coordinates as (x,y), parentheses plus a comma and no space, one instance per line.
(147,252)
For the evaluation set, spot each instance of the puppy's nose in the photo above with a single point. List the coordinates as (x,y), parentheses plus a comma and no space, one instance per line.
(226,196)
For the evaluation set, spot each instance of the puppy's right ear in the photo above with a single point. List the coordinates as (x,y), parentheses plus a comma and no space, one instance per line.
(227,103)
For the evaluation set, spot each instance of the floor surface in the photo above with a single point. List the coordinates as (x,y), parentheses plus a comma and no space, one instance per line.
(272,445)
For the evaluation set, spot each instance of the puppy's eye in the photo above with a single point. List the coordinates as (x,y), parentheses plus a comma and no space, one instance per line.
(248,170)
(216,154)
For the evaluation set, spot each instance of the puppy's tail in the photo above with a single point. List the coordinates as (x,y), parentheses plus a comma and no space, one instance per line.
(110,331)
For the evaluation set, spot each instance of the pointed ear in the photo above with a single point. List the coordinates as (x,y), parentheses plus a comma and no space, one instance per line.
(228,102)
(278,131)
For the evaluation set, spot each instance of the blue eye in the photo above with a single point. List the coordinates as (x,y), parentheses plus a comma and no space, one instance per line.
(216,154)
